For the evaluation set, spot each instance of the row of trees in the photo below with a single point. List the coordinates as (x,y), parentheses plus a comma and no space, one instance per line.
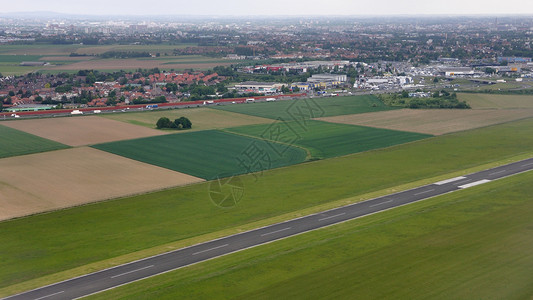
(179,123)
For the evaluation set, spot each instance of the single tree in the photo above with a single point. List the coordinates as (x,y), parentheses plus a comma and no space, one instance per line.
(163,122)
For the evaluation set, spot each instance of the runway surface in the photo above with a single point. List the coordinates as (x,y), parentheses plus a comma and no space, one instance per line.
(141,269)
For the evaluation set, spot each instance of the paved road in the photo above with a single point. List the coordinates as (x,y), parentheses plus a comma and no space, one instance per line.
(120,275)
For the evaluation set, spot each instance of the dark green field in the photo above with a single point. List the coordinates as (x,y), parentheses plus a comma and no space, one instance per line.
(297,110)
(326,140)
(66,239)
(471,244)
(207,154)
(14,142)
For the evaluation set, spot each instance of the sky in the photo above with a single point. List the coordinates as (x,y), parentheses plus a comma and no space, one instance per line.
(272,7)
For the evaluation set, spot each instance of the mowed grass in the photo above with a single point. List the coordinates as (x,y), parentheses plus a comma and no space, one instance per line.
(63,240)
(494,101)
(326,140)
(472,244)
(201,118)
(14,142)
(301,109)
(207,154)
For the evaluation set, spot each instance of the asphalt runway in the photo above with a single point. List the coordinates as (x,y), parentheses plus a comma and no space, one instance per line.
(141,269)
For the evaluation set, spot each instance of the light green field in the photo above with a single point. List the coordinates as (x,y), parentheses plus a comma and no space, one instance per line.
(471,244)
(63,240)
(326,140)
(208,154)
(201,118)
(494,101)
(310,108)
(14,142)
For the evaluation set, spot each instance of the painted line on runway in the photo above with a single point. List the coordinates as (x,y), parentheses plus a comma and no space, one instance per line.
(494,173)
(424,192)
(210,249)
(525,165)
(268,233)
(50,295)
(131,271)
(450,180)
(463,181)
(474,183)
(337,215)
(381,203)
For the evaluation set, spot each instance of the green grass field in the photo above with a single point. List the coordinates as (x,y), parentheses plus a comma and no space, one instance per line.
(310,108)
(495,101)
(326,140)
(14,142)
(207,154)
(202,118)
(66,239)
(472,244)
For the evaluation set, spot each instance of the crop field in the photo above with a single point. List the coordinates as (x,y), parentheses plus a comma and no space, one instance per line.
(201,118)
(294,110)
(493,101)
(472,244)
(86,130)
(207,154)
(48,181)
(326,140)
(433,121)
(187,212)
(15,142)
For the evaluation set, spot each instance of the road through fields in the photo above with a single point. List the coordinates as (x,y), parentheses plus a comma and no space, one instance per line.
(141,269)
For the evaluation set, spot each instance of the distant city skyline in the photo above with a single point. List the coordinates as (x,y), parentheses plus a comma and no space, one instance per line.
(273,7)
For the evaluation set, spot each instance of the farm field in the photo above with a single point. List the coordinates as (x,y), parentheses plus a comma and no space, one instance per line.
(187,212)
(48,181)
(297,110)
(326,140)
(201,118)
(86,130)
(432,121)
(208,154)
(15,142)
(494,101)
(127,64)
(471,244)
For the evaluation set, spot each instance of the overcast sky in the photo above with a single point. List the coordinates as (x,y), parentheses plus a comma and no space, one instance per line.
(271,7)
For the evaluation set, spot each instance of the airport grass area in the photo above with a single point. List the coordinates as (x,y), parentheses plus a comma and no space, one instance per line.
(62,240)
(208,154)
(326,140)
(15,142)
(301,109)
(471,244)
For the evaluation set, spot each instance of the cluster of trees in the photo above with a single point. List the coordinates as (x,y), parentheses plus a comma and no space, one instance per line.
(179,123)
(158,99)
(439,99)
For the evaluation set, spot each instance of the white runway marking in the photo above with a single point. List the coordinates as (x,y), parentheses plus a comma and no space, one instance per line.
(381,203)
(424,192)
(50,295)
(209,249)
(450,180)
(494,173)
(331,217)
(276,231)
(131,271)
(527,164)
(473,184)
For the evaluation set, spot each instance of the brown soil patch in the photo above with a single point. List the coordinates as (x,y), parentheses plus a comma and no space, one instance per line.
(82,130)
(48,181)
(434,121)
